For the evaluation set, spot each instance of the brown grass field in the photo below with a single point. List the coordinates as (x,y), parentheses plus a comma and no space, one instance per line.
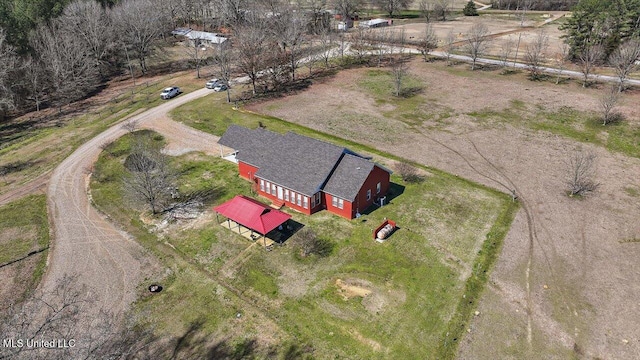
(566,282)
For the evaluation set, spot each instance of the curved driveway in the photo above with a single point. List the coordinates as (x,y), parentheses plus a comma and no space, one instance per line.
(85,244)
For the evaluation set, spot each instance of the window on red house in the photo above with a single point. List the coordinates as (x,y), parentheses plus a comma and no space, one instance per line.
(261,185)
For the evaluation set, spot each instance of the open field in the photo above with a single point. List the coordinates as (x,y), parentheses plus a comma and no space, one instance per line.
(562,295)
(24,230)
(301,301)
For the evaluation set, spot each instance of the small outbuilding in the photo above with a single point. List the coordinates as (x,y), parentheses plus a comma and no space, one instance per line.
(374,23)
(248,217)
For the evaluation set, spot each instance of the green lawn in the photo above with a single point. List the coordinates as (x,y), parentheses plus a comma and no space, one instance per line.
(24,228)
(450,233)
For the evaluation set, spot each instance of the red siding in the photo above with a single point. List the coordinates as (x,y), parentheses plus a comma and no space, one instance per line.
(345,212)
(247,171)
(376,176)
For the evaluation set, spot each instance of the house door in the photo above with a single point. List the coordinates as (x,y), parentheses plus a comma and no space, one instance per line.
(279,192)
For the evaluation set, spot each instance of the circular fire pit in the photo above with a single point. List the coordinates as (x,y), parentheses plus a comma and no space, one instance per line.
(155,288)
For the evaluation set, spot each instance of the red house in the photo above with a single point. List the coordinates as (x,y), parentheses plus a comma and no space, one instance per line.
(306,174)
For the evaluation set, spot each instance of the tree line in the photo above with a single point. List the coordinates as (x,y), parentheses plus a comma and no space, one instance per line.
(59,51)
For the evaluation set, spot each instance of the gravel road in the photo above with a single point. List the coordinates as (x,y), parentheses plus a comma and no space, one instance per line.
(104,259)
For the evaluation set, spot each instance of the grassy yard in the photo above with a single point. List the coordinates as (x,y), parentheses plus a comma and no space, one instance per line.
(24,228)
(450,233)
(581,126)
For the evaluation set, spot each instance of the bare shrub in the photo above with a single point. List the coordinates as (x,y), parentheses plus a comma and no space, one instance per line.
(400,71)
(588,58)
(608,102)
(131,125)
(534,55)
(408,172)
(309,243)
(581,173)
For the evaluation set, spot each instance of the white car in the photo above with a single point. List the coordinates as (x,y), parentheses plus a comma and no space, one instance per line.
(170,92)
(212,83)
(220,87)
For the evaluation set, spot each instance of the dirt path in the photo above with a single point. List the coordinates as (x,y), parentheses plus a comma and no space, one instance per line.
(567,279)
(38,184)
(84,243)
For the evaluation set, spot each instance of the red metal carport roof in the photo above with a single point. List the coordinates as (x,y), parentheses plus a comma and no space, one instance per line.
(252,214)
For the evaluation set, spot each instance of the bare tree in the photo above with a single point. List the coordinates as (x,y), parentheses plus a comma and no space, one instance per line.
(291,36)
(524,6)
(428,42)
(624,60)
(426,8)
(342,44)
(8,59)
(223,58)
(319,20)
(35,80)
(588,58)
(69,68)
(140,23)
(60,315)
(608,102)
(347,8)
(251,44)
(150,179)
(327,41)
(581,173)
(506,48)
(476,44)
(449,45)
(359,43)
(560,59)
(378,40)
(399,69)
(130,125)
(534,55)
(392,7)
(232,11)
(441,8)
(197,52)
(92,25)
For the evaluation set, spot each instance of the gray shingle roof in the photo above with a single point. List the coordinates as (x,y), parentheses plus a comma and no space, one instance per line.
(349,176)
(298,162)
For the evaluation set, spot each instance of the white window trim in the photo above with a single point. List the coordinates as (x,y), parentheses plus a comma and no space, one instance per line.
(261,185)
(378,188)
(286,194)
(305,202)
(368,194)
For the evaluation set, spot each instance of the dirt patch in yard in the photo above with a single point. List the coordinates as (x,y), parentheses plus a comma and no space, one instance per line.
(572,246)
(347,289)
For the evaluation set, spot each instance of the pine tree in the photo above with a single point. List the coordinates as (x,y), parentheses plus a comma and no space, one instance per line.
(470,9)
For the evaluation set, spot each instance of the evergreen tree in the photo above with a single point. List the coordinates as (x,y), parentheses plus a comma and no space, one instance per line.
(604,22)
(470,9)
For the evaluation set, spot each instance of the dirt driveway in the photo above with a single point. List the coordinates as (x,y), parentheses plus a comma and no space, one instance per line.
(567,282)
(86,244)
